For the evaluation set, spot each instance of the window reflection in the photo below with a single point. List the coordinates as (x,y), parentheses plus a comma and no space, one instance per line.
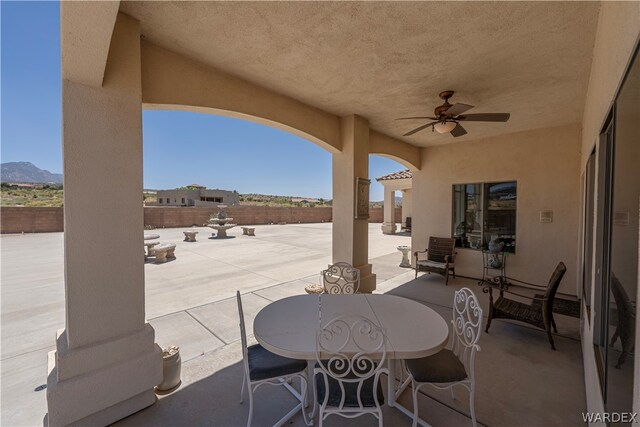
(484,212)
(623,276)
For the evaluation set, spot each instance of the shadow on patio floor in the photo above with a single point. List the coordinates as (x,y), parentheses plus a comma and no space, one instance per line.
(520,380)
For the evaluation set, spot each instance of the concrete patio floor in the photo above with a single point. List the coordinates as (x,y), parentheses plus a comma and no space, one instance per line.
(187,299)
(190,303)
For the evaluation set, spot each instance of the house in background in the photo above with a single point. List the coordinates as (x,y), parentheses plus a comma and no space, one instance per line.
(196,195)
(396,181)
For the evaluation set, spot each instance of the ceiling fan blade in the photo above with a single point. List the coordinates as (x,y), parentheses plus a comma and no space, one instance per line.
(418,129)
(456,109)
(458,131)
(411,118)
(485,117)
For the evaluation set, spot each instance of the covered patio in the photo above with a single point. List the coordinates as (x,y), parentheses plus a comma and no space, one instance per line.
(339,75)
(515,371)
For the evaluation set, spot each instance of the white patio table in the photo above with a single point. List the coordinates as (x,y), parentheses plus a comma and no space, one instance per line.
(288,327)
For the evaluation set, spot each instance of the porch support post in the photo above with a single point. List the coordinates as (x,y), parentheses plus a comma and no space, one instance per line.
(407,204)
(389,211)
(350,235)
(106,363)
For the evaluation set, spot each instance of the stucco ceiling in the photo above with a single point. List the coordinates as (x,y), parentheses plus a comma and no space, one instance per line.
(384,60)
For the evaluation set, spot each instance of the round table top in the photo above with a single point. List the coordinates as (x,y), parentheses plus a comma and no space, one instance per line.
(288,326)
(151,236)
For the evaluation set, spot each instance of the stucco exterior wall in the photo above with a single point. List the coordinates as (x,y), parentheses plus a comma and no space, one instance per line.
(407,204)
(619,27)
(545,163)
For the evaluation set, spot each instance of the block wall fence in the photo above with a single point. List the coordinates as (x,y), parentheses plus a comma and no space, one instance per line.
(42,220)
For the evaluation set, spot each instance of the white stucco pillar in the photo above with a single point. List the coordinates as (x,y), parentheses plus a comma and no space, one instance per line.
(407,204)
(389,211)
(350,235)
(106,362)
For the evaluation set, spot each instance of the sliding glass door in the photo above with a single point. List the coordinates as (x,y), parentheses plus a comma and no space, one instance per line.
(615,287)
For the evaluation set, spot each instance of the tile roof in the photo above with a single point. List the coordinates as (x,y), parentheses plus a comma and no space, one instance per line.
(396,175)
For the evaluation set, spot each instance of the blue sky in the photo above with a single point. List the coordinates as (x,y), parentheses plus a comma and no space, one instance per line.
(179,148)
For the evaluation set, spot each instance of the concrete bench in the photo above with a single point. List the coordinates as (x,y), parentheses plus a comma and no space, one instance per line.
(249,231)
(190,235)
(150,245)
(164,251)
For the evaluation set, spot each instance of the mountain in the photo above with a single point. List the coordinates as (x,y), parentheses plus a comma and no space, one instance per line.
(27,172)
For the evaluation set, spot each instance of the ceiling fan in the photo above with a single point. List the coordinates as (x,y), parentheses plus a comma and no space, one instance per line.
(448,117)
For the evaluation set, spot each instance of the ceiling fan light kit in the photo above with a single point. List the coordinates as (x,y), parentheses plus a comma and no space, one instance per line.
(447,117)
(444,127)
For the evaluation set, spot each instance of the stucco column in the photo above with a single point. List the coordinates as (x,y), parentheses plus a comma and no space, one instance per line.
(407,204)
(350,235)
(389,211)
(106,362)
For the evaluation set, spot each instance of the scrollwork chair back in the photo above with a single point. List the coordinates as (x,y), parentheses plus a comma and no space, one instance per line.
(341,278)
(351,354)
(467,326)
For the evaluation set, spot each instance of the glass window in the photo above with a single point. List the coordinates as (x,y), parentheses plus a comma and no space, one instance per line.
(616,261)
(500,218)
(482,212)
(623,253)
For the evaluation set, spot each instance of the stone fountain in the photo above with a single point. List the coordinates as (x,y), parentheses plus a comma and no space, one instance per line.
(220,222)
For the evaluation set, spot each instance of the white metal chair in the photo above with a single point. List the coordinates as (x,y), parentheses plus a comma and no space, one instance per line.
(264,367)
(341,278)
(350,353)
(455,366)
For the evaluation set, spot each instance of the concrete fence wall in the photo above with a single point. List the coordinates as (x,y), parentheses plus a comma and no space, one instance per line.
(42,220)
(30,220)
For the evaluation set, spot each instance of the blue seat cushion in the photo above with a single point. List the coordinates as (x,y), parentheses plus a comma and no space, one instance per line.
(442,367)
(351,392)
(264,364)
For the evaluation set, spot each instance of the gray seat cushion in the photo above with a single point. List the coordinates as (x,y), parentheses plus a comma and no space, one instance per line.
(351,392)
(434,264)
(442,367)
(264,364)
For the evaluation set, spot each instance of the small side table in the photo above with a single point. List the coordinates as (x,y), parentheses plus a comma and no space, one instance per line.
(405,258)
(493,267)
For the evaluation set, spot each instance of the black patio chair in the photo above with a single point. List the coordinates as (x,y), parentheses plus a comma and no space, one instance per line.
(537,313)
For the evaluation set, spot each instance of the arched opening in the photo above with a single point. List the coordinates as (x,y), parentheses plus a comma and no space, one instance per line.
(284,188)
(391,201)
(244,117)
